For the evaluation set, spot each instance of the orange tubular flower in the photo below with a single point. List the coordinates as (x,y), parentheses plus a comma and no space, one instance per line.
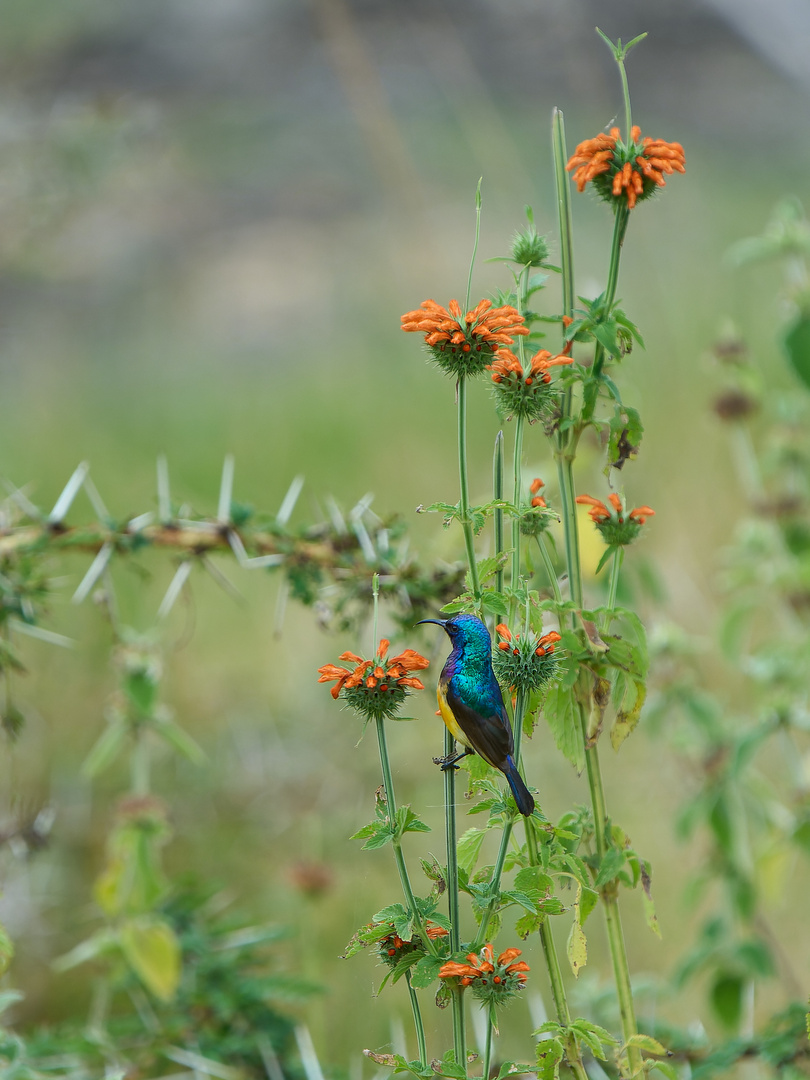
(493,981)
(464,344)
(627,172)
(381,692)
(617,525)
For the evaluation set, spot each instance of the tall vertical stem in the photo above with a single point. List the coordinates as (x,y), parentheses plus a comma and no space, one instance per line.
(516,479)
(140,763)
(497,493)
(417,1022)
(457,1000)
(566,452)
(488,1045)
(464,491)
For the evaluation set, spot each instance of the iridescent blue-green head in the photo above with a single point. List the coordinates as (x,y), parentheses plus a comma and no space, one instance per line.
(472,645)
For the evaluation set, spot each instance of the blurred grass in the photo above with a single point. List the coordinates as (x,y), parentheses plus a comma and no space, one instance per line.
(198,277)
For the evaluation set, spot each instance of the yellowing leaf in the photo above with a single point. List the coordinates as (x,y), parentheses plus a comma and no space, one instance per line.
(153,951)
(577,948)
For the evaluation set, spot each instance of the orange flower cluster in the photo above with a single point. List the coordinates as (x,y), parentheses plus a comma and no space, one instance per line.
(617,525)
(631,171)
(599,513)
(491,980)
(386,673)
(375,687)
(509,642)
(464,344)
(506,365)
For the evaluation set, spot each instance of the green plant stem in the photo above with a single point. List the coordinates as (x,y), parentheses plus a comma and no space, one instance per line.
(475,244)
(459,1031)
(517,477)
(464,491)
(497,493)
(572,1054)
(610,900)
(459,1028)
(417,1022)
(613,587)
(620,221)
(487,1063)
(405,881)
(565,454)
(495,883)
(628,112)
(563,210)
(549,565)
(140,763)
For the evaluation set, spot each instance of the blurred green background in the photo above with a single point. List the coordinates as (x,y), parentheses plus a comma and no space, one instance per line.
(212,214)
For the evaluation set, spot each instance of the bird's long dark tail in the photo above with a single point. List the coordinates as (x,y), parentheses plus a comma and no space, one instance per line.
(523,797)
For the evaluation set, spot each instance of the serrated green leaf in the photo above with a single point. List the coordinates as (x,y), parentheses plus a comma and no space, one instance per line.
(533,879)
(562,715)
(425,972)
(407,821)
(388,914)
(549,1055)
(494,602)
(469,848)
(376,835)
(519,898)
(646,1043)
(612,862)
(529,924)
(588,899)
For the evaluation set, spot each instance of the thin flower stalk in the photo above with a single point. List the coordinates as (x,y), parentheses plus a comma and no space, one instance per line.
(613,587)
(497,494)
(464,489)
(566,453)
(457,998)
(419,1026)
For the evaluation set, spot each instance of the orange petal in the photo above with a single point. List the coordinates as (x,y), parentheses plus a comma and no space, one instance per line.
(413,682)
(331,671)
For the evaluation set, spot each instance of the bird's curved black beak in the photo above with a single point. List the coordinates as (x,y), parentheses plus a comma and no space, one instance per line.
(439,622)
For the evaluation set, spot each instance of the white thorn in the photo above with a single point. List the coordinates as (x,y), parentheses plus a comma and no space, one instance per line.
(69,492)
(94,573)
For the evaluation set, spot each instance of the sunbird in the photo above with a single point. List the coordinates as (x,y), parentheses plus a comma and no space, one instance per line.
(471,704)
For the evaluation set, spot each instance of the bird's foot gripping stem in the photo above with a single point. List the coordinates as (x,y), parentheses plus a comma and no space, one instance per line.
(449,762)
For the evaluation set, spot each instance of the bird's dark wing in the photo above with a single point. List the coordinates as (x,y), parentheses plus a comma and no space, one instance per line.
(489,735)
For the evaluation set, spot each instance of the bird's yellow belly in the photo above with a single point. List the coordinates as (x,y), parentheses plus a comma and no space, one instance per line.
(449,719)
